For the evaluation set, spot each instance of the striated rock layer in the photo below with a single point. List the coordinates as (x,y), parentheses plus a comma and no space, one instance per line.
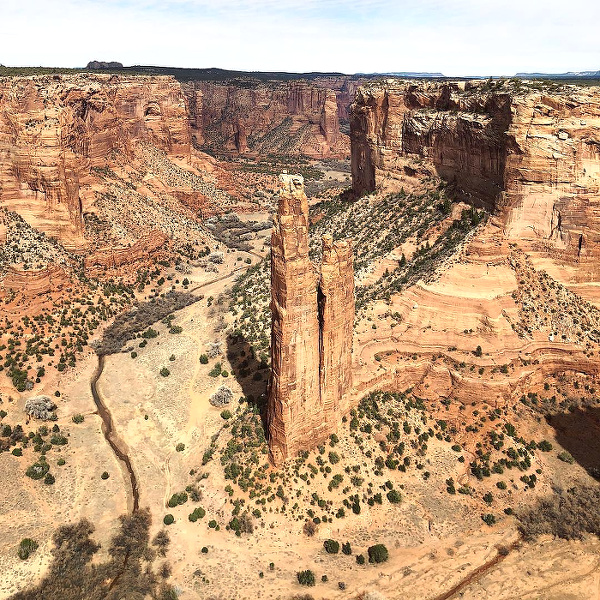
(55,129)
(242,117)
(531,155)
(336,314)
(311,334)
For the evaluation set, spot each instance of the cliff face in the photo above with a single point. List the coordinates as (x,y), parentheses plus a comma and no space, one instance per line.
(311,332)
(336,314)
(295,117)
(531,156)
(54,129)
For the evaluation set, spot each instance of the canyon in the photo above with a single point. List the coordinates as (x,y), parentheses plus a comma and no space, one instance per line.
(419,359)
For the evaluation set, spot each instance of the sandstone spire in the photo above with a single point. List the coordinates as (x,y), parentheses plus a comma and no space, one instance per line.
(311,335)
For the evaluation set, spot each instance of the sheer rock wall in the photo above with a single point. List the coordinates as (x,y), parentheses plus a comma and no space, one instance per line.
(311,335)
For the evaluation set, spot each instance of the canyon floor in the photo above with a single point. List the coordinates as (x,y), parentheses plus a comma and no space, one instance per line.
(448,364)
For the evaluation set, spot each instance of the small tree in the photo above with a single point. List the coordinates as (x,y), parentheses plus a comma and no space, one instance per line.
(306,577)
(26,548)
(378,553)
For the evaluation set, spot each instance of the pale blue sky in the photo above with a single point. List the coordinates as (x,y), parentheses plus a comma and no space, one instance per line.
(456,37)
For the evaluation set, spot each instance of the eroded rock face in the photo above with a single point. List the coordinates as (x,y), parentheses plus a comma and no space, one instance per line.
(530,155)
(54,129)
(311,335)
(336,314)
(295,117)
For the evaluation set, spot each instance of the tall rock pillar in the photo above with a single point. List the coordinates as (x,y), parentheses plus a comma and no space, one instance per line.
(336,320)
(294,397)
(311,334)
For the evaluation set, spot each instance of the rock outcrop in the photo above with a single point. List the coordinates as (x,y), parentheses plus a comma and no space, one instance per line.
(311,335)
(529,153)
(55,129)
(113,258)
(259,118)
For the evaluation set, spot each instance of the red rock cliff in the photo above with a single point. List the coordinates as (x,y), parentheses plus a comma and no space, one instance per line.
(311,332)
(239,117)
(529,154)
(54,129)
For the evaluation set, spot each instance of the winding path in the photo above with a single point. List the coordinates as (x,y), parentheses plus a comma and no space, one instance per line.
(112,438)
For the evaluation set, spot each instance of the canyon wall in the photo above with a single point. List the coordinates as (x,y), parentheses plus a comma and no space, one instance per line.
(311,331)
(55,129)
(529,154)
(260,118)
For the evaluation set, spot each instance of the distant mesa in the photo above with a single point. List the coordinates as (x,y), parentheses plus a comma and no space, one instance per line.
(99,65)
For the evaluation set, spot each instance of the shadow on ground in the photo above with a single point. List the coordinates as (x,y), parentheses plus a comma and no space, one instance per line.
(578,432)
(251,374)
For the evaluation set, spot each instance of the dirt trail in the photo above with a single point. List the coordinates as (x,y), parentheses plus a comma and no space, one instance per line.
(117,445)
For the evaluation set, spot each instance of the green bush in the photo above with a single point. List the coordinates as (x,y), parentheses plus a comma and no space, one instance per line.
(488,519)
(38,470)
(198,513)
(204,359)
(180,447)
(49,479)
(566,457)
(216,370)
(165,372)
(17,452)
(105,475)
(347,549)
(176,329)
(306,577)
(26,548)
(394,496)
(226,414)
(169,519)
(360,559)
(134,354)
(78,418)
(331,546)
(544,446)
(177,499)
(377,553)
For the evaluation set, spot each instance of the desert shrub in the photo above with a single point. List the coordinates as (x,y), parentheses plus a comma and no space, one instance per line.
(180,447)
(226,414)
(394,496)
(566,457)
(360,559)
(216,370)
(26,548)
(347,549)
(377,553)
(567,514)
(168,519)
(37,470)
(331,546)
(309,528)
(198,513)
(177,499)
(78,418)
(165,372)
(49,479)
(488,519)
(204,359)
(105,475)
(544,446)
(176,329)
(306,577)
